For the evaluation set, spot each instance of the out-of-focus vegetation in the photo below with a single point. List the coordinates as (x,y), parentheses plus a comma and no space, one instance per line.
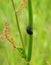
(41,54)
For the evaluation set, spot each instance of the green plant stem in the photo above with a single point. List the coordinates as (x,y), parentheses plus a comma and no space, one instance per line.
(31,25)
(18,25)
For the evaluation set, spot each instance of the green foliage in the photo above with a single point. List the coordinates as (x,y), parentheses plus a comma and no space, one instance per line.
(23,54)
(41,32)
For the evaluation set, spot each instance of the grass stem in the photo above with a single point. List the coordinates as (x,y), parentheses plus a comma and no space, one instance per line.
(31,25)
(18,25)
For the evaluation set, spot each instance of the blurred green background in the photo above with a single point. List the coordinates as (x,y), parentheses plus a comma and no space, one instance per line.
(41,53)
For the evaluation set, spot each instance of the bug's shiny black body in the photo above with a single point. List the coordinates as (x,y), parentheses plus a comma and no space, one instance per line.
(29,31)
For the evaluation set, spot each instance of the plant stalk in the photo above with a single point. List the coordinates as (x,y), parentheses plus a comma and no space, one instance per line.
(18,25)
(31,26)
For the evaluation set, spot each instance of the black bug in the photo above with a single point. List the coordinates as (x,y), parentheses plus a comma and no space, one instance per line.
(29,31)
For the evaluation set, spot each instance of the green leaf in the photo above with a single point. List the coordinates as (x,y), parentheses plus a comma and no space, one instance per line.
(23,54)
